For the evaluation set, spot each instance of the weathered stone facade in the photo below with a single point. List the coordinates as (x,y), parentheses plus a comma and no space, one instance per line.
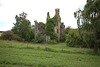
(39,28)
(59,28)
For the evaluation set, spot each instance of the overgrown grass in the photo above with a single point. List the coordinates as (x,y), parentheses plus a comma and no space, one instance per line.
(17,54)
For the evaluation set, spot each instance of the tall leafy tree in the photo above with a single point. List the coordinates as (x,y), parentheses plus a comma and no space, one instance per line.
(88,22)
(22,27)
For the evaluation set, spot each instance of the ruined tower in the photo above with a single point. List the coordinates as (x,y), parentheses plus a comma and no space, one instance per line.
(60,28)
(58,15)
(57,28)
(36,28)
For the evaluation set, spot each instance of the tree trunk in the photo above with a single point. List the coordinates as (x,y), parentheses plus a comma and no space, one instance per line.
(96,48)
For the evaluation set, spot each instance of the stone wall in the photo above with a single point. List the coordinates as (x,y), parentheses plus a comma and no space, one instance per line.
(60,28)
(39,28)
(47,38)
(36,28)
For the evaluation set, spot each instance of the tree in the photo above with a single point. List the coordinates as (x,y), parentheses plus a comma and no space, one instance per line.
(67,29)
(88,21)
(22,27)
(40,38)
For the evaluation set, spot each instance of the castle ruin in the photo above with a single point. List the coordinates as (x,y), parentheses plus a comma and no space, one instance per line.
(59,28)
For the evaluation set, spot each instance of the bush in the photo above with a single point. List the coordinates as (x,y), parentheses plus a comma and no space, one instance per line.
(18,38)
(54,37)
(7,35)
(33,41)
(40,38)
(73,39)
(52,42)
(63,37)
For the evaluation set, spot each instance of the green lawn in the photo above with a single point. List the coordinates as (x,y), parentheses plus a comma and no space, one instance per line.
(16,54)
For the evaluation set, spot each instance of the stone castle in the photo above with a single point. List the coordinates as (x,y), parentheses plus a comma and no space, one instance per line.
(59,28)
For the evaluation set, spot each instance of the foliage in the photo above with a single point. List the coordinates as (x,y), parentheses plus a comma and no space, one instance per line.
(88,20)
(43,25)
(54,36)
(52,42)
(49,28)
(16,37)
(22,27)
(48,16)
(55,18)
(31,34)
(63,37)
(33,41)
(7,35)
(40,38)
(67,30)
(73,39)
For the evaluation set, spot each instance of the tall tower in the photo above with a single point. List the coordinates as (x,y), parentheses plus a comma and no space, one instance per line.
(57,28)
(58,15)
(36,29)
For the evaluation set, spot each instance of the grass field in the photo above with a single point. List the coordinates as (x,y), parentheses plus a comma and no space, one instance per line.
(17,54)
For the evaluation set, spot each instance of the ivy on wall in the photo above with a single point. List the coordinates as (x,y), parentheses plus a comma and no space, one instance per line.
(49,28)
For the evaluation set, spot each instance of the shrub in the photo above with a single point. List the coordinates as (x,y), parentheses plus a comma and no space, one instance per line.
(33,40)
(7,35)
(52,42)
(63,37)
(40,38)
(18,38)
(73,39)
(54,36)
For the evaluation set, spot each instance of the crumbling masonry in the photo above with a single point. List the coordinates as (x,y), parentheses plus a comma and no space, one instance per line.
(59,28)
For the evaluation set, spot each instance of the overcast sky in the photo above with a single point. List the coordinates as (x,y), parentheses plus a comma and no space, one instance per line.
(37,10)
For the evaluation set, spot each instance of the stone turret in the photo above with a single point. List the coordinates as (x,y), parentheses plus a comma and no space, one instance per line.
(57,28)
(57,11)
(62,28)
(58,15)
(36,28)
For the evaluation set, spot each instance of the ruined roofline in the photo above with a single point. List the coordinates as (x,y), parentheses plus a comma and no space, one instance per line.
(62,23)
(35,21)
(57,10)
